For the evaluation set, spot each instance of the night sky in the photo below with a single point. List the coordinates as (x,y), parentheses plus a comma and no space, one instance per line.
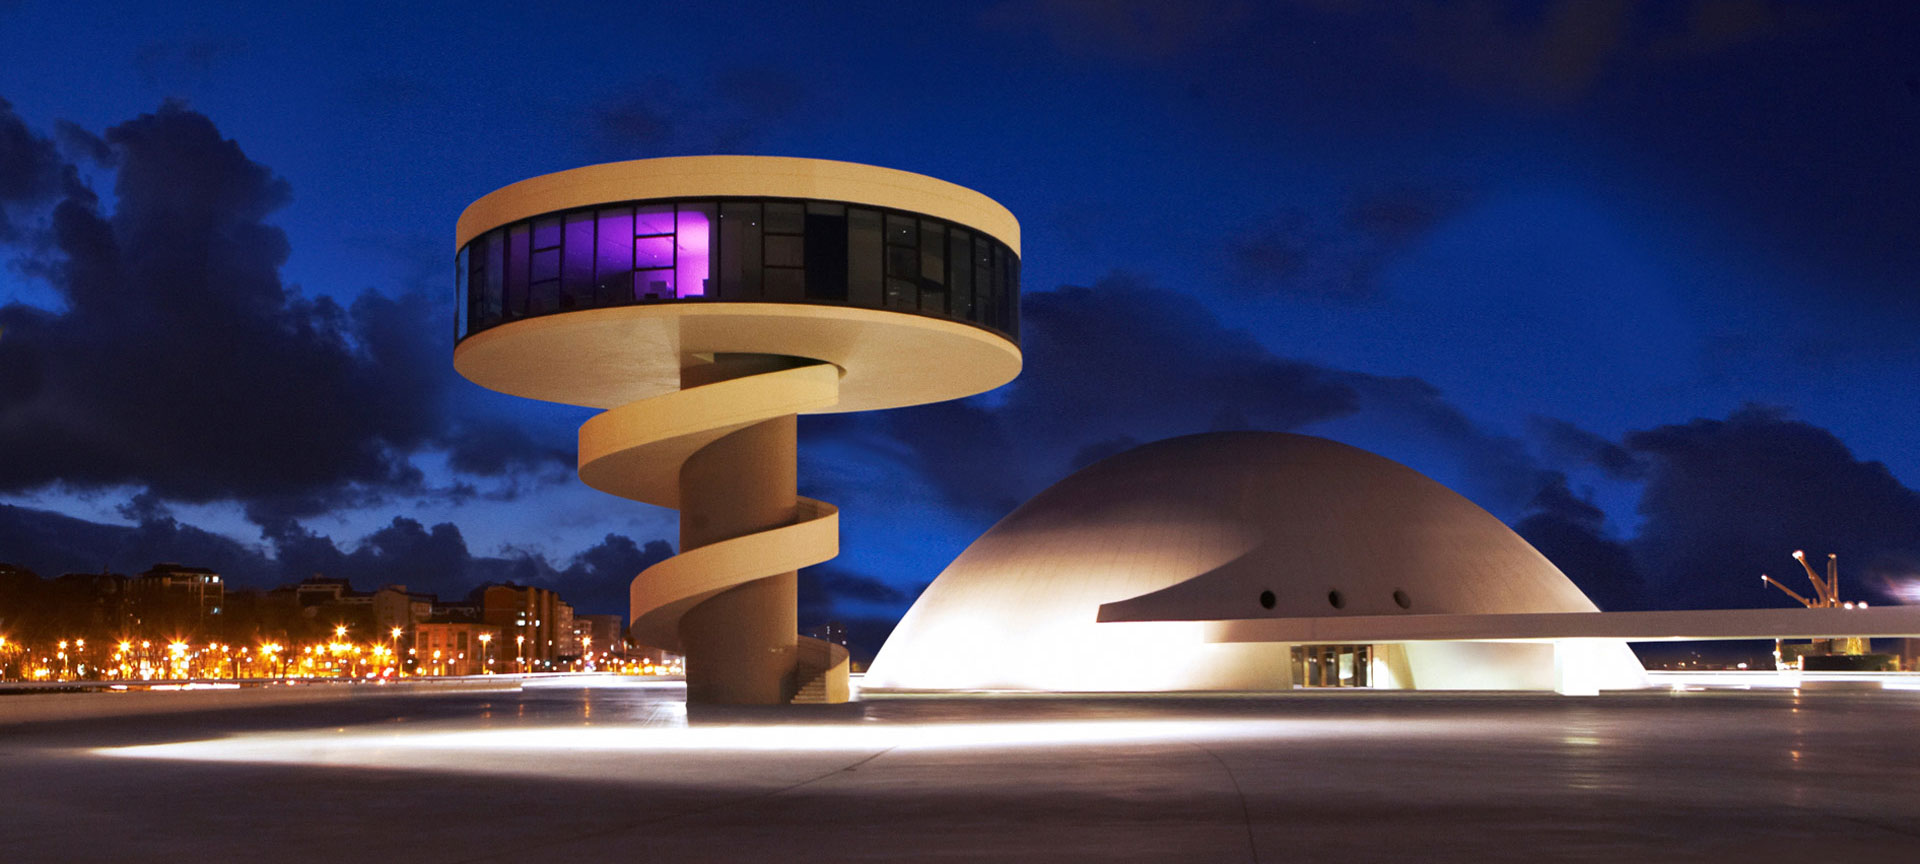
(1639,278)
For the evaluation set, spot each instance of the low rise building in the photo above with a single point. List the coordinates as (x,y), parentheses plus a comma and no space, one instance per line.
(599,636)
(456,648)
(175,597)
(529,622)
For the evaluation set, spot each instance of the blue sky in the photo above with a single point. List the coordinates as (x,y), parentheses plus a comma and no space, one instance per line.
(1572,259)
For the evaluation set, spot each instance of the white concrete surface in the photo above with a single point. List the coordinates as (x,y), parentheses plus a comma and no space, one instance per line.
(622,773)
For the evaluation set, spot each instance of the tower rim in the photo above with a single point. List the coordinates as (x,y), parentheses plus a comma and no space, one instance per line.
(737,176)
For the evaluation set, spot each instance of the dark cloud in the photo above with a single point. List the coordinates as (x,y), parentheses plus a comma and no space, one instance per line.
(1571,532)
(865,606)
(1728,500)
(490,446)
(406,552)
(828,592)
(1567,444)
(31,171)
(1292,254)
(597,580)
(1122,363)
(664,117)
(1125,358)
(1786,129)
(75,139)
(1793,119)
(437,559)
(1494,470)
(52,543)
(183,364)
(1119,359)
(144,507)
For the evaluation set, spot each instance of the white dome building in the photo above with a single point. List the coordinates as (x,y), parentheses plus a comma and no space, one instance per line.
(1177,537)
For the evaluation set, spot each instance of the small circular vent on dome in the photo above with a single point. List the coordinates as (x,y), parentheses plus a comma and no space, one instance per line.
(1266,600)
(1338,599)
(1401,599)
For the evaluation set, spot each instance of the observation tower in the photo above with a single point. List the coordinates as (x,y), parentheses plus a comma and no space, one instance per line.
(705,302)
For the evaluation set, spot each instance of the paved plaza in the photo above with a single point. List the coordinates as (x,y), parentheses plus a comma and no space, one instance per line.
(621,772)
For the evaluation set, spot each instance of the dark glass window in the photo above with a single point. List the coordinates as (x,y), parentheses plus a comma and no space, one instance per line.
(933,267)
(546,265)
(546,232)
(739,250)
(576,277)
(466,303)
(786,251)
(933,253)
(1010,295)
(826,251)
(960,252)
(903,262)
(903,231)
(863,257)
(785,284)
(613,257)
(492,284)
(543,297)
(999,288)
(774,250)
(516,267)
(543,287)
(983,280)
(785,217)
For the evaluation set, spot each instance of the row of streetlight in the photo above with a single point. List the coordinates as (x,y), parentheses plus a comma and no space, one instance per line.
(177,658)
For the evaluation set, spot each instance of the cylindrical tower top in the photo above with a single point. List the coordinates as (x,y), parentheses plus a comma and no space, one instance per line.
(738,176)
(591,286)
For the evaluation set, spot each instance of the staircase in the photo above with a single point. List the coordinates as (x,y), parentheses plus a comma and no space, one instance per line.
(821,673)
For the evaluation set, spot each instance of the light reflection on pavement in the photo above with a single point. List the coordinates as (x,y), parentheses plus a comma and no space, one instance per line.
(589,774)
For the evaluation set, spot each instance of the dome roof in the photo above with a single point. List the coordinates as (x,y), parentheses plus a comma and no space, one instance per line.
(1221,525)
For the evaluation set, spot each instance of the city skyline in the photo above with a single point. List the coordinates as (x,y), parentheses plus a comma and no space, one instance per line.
(1636,282)
(179,622)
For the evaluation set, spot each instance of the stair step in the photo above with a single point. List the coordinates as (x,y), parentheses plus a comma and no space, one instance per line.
(812,692)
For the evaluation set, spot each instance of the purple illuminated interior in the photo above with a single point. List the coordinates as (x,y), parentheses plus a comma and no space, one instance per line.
(693,238)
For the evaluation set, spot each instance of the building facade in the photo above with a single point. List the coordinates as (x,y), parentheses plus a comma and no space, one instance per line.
(529,622)
(171,596)
(456,648)
(599,637)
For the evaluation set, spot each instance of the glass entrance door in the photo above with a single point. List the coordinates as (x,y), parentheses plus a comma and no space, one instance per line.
(1332,665)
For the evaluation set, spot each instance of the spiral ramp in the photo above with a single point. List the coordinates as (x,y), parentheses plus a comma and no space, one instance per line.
(640,450)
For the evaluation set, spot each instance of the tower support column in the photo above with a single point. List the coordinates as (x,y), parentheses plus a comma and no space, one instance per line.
(740,643)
